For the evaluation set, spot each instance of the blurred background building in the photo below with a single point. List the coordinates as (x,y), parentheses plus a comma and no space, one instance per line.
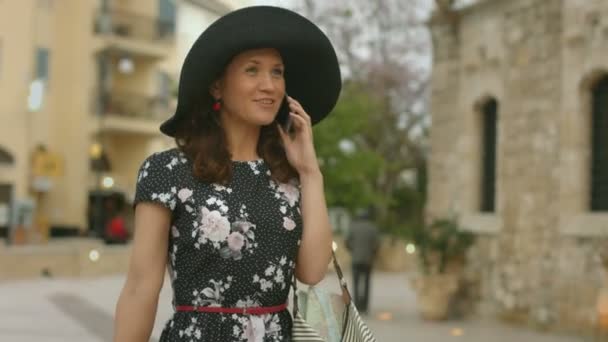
(520,152)
(84,86)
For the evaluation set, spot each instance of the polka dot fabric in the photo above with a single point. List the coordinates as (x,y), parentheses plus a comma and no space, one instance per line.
(229,246)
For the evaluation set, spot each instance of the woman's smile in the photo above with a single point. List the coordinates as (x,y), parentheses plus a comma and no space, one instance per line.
(266,103)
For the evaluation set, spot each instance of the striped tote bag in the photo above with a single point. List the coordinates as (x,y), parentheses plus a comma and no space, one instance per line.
(302,332)
(341,321)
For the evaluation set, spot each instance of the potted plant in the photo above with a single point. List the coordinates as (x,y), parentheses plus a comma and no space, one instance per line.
(441,248)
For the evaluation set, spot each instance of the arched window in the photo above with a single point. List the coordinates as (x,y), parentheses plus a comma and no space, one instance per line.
(489,113)
(599,146)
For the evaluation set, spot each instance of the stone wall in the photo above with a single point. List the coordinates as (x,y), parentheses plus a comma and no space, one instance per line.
(63,258)
(72,258)
(538,256)
(530,150)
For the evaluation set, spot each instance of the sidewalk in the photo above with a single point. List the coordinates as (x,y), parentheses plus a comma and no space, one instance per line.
(54,310)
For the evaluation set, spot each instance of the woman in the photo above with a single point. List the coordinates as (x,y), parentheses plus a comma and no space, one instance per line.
(238,207)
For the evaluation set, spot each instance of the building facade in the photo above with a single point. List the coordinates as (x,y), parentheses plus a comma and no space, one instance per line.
(519,152)
(84,86)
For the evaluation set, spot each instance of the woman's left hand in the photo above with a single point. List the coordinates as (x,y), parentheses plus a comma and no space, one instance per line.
(299,145)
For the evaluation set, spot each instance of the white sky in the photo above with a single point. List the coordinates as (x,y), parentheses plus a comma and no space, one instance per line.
(281,3)
(286,3)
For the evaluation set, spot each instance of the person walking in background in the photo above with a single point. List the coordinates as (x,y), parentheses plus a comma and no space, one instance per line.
(362,241)
(116,231)
(114,224)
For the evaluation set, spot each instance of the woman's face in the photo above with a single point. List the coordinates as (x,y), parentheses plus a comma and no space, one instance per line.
(252,87)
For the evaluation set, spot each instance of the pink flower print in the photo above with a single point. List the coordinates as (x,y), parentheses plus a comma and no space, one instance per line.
(290,193)
(255,329)
(184,194)
(242,226)
(215,227)
(288,223)
(236,241)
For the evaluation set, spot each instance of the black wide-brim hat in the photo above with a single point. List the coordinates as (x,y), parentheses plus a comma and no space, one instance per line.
(312,72)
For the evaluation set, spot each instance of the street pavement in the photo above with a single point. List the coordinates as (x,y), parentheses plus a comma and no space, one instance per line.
(54,310)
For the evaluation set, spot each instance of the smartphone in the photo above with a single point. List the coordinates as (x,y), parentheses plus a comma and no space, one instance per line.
(283,117)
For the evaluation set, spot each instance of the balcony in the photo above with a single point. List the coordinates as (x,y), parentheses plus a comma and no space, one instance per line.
(130,112)
(132,32)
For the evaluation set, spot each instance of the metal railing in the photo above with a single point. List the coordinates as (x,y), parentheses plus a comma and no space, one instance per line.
(131,25)
(133,105)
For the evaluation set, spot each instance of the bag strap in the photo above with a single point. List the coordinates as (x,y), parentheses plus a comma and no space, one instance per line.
(294,286)
(343,286)
(346,297)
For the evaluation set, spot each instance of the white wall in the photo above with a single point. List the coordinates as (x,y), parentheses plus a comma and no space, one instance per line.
(192,20)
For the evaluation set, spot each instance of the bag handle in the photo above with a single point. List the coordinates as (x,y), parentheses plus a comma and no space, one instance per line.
(346,297)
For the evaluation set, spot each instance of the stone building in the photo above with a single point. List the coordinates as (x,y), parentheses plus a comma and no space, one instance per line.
(519,151)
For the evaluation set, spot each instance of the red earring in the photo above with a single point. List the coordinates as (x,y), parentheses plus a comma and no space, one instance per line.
(217,105)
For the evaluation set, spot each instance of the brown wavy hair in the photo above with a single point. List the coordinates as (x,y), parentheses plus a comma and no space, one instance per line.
(202,139)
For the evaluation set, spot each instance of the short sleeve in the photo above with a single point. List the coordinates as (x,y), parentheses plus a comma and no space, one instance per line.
(155,182)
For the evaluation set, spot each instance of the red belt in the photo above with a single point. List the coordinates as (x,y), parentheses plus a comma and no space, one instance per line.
(260,310)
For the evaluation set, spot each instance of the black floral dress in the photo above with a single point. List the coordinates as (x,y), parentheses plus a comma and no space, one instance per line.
(229,246)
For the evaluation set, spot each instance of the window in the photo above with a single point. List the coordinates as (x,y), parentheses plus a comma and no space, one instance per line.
(166,16)
(42,64)
(599,146)
(489,114)
(164,85)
